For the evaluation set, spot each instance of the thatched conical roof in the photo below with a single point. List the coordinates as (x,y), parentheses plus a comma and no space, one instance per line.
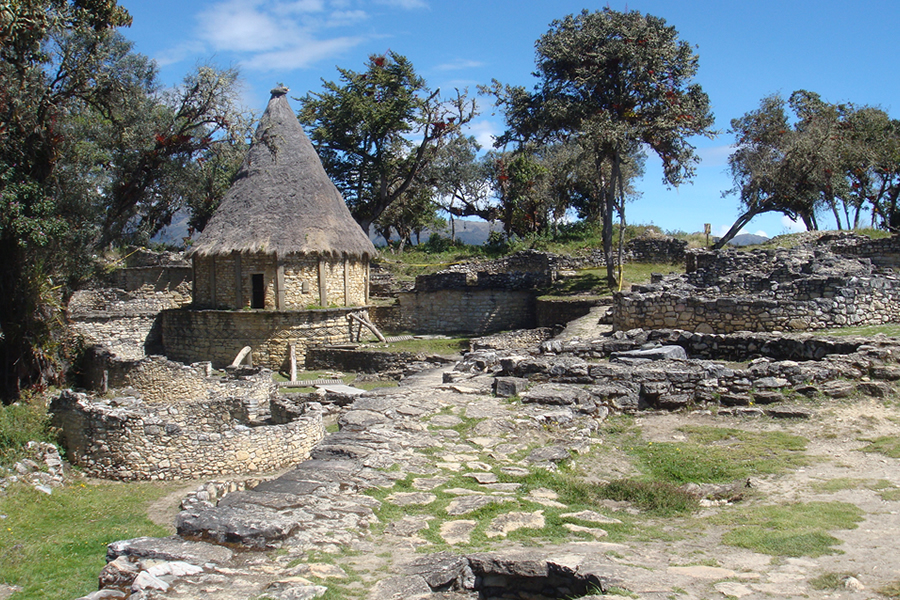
(282,201)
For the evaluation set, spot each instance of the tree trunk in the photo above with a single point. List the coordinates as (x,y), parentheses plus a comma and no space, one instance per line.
(736,228)
(611,279)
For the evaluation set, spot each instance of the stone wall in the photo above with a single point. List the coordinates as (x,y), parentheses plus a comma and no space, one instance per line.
(559,311)
(295,278)
(218,335)
(386,364)
(763,290)
(127,439)
(466,310)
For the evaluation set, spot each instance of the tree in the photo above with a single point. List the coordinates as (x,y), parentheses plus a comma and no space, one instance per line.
(461,181)
(81,118)
(54,55)
(612,81)
(833,155)
(364,130)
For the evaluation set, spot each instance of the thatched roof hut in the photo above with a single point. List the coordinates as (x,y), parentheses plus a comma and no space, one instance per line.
(282,201)
(282,212)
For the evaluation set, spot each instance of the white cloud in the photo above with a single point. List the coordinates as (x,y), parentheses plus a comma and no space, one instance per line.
(302,53)
(341,18)
(484,132)
(407,4)
(300,7)
(792,225)
(459,64)
(239,25)
(176,54)
(720,230)
(762,233)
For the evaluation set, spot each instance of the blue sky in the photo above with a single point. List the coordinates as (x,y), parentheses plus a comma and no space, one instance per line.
(845,51)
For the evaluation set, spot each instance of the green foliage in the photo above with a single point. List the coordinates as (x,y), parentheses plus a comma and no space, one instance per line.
(836,157)
(611,83)
(362,128)
(54,546)
(428,345)
(91,152)
(798,529)
(21,423)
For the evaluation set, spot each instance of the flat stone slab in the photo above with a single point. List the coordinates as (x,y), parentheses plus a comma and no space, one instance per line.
(429,483)
(341,389)
(457,532)
(658,353)
(361,419)
(466,504)
(483,478)
(702,572)
(407,526)
(444,420)
(548,454)
(171,548)
(255,528)
(594,531)
(411,498)
(591,516)
(504,524)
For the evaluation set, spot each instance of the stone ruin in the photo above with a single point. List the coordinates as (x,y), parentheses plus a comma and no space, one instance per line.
(834,282)
(174,421)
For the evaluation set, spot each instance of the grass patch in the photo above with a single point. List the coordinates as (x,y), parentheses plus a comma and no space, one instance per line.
(655,497)
(798,529)
(887,445)
(830,581)
(891,590)
(838,484)
(54,546)
(720,455)
(429,345)
(888,329)
(21,423)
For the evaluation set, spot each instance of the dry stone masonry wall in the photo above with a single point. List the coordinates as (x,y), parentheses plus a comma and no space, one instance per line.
(218,335)
(129,439)
(764,290)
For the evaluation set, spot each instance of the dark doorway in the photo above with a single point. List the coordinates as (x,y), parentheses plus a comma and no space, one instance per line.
(258,298)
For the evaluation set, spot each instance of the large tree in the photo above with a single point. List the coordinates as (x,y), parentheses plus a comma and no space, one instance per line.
(614,81)
(376,131)
(804,155)
(90,151)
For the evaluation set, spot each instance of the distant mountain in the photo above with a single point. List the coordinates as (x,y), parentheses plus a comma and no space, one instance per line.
(748,239)
(473,233)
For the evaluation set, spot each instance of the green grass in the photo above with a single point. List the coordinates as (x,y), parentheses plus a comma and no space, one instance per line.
(439,346)
(888,329)
(21,423)
(719,455)
(838,484)
(797,529)
(830,581)
(55,546)
(887,445)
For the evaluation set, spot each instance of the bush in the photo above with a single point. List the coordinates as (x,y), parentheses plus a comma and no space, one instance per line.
(21,423)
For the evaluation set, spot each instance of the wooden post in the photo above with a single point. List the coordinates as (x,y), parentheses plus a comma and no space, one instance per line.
(293,363)
(238,281)
(367,282)
(346,281)
(323,291)
(212,281)
(279,283)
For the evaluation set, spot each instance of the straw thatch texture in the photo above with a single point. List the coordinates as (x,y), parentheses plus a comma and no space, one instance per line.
(282,200)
